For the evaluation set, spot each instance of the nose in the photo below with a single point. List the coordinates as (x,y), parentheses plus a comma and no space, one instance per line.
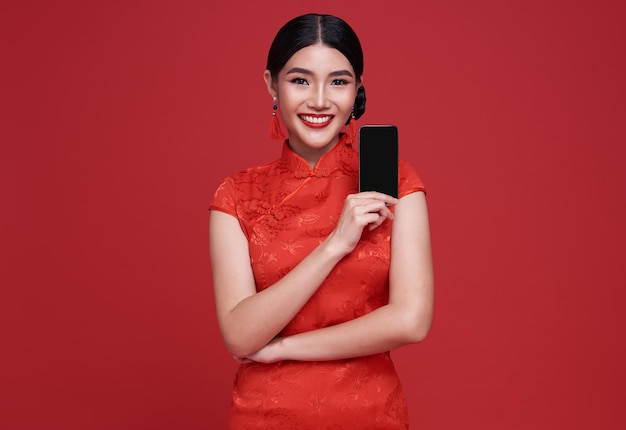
(319,98)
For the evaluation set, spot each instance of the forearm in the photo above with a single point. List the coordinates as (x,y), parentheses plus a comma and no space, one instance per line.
(257,319)
(382,330)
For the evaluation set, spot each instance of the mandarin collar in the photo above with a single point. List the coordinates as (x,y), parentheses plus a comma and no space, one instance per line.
(324,166)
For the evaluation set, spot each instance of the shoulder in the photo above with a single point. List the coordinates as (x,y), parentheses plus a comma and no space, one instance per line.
(253,172)
(242,186)
(409,181)
(250,175)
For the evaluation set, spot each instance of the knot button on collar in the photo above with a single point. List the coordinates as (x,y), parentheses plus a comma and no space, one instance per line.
(309,173)
(322,173)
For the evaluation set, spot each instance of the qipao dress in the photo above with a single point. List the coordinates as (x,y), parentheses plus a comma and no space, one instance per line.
(286,209)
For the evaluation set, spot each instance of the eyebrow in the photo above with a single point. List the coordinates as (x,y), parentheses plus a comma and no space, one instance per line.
(308,72)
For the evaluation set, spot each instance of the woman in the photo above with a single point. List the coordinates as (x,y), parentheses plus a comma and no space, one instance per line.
(315,282)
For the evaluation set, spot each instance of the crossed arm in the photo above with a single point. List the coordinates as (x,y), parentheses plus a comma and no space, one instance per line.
(250,321)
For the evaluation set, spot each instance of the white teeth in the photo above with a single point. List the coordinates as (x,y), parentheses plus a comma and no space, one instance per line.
(315,119)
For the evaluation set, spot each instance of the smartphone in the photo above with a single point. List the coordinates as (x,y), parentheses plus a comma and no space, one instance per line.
(378,159)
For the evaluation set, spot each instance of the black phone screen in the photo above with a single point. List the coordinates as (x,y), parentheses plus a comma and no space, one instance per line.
(378,159)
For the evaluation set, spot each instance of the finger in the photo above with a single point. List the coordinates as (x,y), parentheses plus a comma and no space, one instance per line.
(371,220)
(374,207)
(385,212)
(377,223)
(374,217)
(375,195)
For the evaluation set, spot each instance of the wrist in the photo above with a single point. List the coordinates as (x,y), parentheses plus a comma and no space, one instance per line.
(279,352)
(332,249)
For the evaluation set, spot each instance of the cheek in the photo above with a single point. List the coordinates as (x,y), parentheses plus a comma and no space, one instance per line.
(350,102)
(347,103)
(348,99)
(289,95)
(287,99)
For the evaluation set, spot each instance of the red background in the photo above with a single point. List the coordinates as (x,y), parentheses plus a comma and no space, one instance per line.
(119,119)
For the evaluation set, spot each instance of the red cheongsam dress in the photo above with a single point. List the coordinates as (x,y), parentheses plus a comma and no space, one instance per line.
(286,209)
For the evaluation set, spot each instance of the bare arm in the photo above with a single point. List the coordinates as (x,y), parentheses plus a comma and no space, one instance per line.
(407,317)
(249,320)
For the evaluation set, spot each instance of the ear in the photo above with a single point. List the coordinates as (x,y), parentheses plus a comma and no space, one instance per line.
(269,82)
(359,82)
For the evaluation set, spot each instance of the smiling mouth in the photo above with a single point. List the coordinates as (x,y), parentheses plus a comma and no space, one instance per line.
(316,119)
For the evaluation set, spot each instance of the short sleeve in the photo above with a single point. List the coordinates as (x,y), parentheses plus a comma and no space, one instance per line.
(409,180)
(224,198)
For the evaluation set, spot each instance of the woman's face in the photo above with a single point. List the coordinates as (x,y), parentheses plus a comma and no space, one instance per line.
(316,91)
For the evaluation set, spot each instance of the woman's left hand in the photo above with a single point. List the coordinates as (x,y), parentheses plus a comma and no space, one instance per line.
(267,354)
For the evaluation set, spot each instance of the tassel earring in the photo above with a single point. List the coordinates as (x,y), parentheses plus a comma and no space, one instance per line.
(275,130)
(353,131)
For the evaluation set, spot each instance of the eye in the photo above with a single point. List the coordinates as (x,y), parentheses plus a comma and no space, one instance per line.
(339,82)
(299,81)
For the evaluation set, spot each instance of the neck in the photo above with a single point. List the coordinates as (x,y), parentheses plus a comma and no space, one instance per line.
(309,153)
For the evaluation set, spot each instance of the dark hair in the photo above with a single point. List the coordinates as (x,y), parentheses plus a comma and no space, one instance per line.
(311,29)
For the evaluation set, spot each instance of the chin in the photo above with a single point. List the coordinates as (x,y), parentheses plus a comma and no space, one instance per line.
(320,140)
(319,143)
